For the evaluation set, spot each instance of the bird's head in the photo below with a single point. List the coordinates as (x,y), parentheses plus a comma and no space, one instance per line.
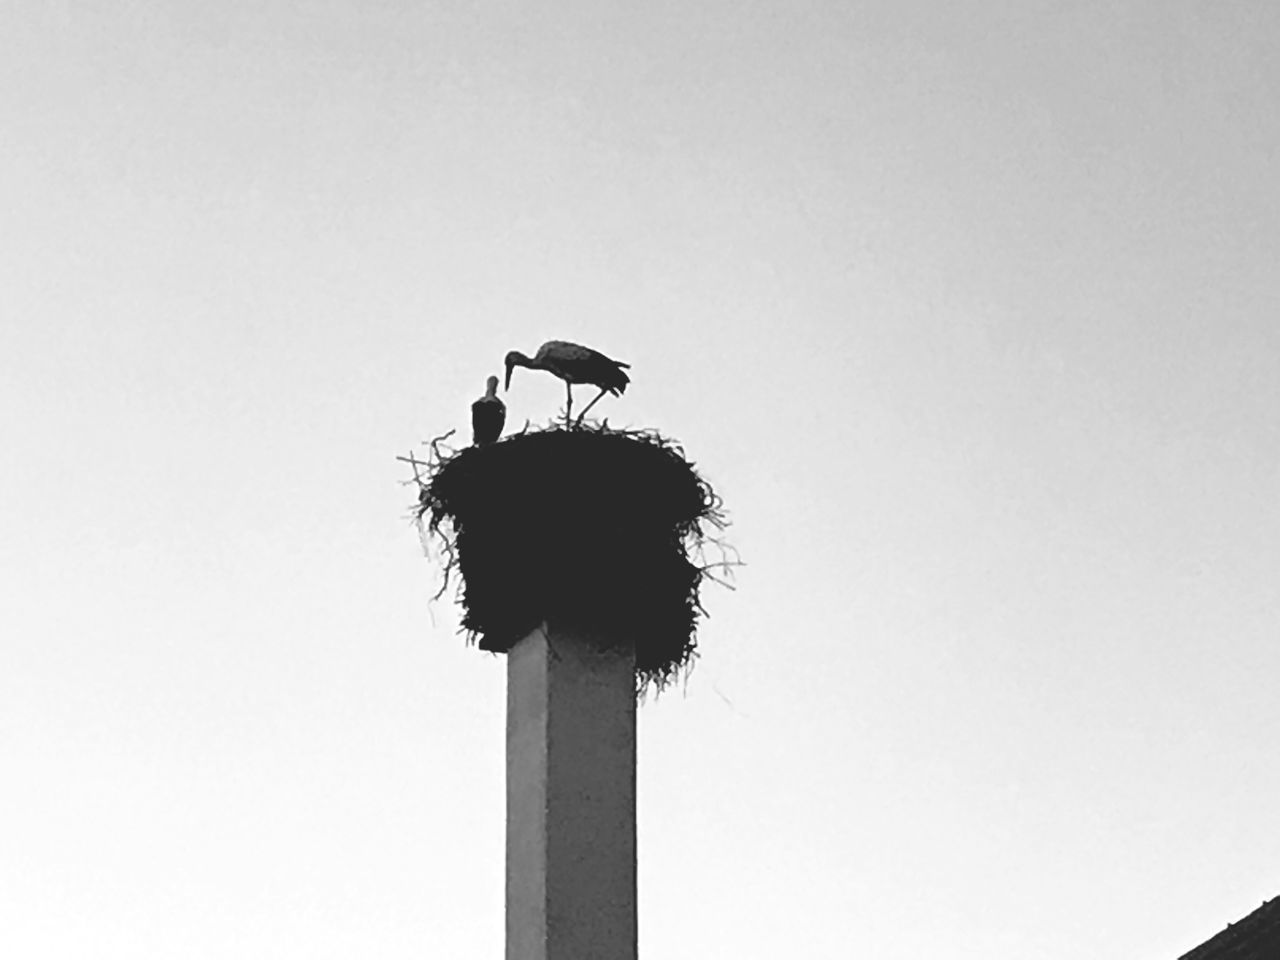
(514,359)
(491,387)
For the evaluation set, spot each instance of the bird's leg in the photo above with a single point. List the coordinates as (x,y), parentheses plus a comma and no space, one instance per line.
(568,409)
(592,404)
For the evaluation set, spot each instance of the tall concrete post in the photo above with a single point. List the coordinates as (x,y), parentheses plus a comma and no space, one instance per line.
(571,798)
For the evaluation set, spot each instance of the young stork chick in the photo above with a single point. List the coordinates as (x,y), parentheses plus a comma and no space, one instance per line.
(488,414)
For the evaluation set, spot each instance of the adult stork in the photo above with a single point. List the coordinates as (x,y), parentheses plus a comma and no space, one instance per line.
(574,364)
(488,414)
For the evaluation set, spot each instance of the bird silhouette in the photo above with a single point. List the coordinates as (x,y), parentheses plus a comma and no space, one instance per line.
(573,364)
(488,414)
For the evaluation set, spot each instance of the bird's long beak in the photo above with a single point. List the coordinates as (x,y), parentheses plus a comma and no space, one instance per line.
(507,385)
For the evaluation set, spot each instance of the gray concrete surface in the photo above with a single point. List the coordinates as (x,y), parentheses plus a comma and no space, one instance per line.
(571,800)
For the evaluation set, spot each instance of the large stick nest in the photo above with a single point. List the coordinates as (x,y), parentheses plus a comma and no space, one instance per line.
(587,526)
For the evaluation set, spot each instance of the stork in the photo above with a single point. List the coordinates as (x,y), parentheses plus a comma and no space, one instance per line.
(488,414)
(574,364)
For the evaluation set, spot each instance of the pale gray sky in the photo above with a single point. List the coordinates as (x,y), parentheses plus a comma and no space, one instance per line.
(971,311)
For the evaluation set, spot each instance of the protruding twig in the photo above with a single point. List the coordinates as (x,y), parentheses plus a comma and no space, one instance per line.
(415,463)
(435,442)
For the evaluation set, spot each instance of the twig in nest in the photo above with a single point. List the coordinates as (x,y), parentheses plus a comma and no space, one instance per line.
(434,444)
(725,563)
(450,554)
(415,463)
(422,477)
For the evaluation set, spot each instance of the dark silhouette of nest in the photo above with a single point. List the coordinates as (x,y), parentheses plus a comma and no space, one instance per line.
(586,526)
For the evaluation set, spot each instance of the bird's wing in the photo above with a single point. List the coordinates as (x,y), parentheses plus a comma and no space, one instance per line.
(564,350)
